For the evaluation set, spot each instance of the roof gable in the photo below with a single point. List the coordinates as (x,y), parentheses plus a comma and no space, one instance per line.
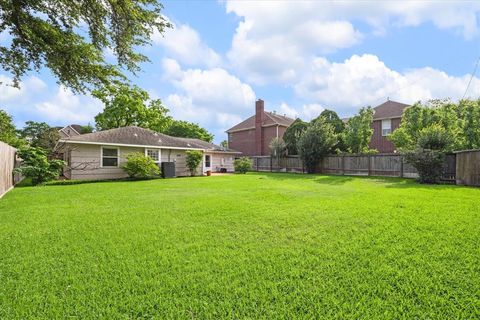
(270,119)
(389,109)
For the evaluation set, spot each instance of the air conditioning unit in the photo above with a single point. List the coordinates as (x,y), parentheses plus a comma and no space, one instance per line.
(168,169)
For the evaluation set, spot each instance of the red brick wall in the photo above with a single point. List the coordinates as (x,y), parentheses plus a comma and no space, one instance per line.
(244,141)
(382,144)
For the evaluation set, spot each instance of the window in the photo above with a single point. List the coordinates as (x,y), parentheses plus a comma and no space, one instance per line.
(109,157)
(230,138)
(207,161)
(154,154)
(386,127)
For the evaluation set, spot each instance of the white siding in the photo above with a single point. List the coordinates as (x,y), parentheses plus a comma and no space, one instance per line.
(227,161)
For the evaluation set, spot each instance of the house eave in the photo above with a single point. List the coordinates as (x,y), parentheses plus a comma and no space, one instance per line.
(129,145)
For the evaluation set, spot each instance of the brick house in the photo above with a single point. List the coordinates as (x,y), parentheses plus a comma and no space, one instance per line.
(386,119)
(253,135)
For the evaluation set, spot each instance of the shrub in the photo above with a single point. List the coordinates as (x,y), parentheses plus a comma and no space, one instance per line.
(242,165)
(140,166)
(35,165)
(194,158)
(429,155)
(317,141)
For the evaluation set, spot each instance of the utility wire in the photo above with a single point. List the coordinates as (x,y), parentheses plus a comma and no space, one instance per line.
(471,77)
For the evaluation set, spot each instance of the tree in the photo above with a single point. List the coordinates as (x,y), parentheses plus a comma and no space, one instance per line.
(185,129)
(194,158)
(242,165)
(40,134)
(318,140)
(358,131)
(86,129)
(332,117)
(140,166)
(292,135)
(130,106)
(35,165)
(224,144)
(8,133)
(71,38)
(470,124)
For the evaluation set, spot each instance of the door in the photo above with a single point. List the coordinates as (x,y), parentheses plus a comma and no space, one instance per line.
(207,163)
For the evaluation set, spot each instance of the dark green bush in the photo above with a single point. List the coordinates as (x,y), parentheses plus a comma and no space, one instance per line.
(35,165)
(194,158)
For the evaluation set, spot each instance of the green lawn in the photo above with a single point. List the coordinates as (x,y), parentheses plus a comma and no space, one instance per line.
(241,246)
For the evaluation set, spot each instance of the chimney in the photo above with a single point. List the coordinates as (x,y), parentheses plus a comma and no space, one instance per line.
(259,119)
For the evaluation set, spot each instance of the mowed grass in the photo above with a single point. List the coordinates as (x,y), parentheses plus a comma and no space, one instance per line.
(241,246)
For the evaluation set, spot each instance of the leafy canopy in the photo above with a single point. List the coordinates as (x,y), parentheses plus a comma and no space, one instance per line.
(140,166)
(330,116)
(40,134)
(194,157)
(318,140)
(71,38)
(358,132)
(185,129)
(8,133)
(278,148)
(292,135)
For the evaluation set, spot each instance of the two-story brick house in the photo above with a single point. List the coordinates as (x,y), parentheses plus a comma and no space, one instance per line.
(386,118)
(253,135)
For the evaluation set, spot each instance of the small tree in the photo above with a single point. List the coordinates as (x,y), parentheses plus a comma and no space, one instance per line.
(358,131)
(429,155)
(292,135)
(35,165)
(278,148)
(140,166)
(242,165)
(194,158)
(317,141)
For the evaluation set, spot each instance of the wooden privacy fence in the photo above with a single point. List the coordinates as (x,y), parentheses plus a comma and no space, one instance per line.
(8,162)
(468,168)
(386,165)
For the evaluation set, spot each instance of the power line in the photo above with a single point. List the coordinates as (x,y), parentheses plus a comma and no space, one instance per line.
(471,77)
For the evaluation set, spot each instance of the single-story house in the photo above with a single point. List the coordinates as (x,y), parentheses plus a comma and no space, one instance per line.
(100,155)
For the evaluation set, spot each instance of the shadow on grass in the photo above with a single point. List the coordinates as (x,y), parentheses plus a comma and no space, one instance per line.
(28,183)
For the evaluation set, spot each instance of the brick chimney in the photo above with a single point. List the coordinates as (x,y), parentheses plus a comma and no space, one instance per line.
(259,119)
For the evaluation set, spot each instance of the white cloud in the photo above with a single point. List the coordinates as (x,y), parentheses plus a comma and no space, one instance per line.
(276,41)
(307,112)
(30,86)
(184,44)
(213,97)
(65,108)
(365,80)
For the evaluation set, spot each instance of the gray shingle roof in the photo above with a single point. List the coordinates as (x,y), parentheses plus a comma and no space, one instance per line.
(137,136)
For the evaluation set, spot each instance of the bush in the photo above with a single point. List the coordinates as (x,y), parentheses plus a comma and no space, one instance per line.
(242,165)
(193,160)
(140,166)
(429,155)
(35,165)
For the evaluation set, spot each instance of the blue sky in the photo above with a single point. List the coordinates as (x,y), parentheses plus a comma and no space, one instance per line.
(299,56)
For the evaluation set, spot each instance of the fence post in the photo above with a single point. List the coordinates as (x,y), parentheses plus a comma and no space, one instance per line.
(401,166)
(343,165)
(370,165)
(271,164)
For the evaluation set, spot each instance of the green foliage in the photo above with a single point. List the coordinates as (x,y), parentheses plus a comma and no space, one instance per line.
(224,144)
(140,166)
(293,134)
(242,165)
(278,148)
(241,246)
(194,157)
(130,106)
(8,133)
(429,155)
(318,140)
(461,121)
(40,134)
(358,132)
(35,165)
(86,129)
(332,117)
(71,37)
(185,129)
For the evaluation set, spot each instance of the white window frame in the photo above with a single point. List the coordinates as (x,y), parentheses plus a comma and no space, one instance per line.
(101,157)
(159,152)
(386,129)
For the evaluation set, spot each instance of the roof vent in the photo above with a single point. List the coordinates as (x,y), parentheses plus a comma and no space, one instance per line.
(155,134)
(188,144)
(274,112)
(136,135)
(159,140)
